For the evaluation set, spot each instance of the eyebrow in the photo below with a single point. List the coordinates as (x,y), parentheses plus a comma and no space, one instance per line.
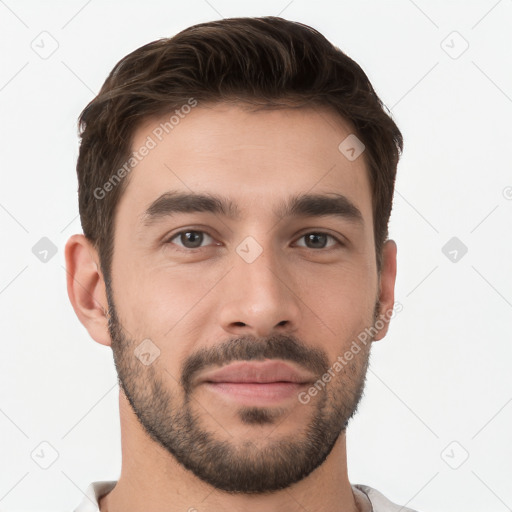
(306,205)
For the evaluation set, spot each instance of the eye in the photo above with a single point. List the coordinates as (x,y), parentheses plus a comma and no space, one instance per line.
(318,240)
(190,238)
(194,239)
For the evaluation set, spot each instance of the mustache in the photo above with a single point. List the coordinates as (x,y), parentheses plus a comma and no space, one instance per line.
(249,348)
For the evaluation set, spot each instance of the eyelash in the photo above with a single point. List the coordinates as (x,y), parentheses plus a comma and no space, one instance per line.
(186,249)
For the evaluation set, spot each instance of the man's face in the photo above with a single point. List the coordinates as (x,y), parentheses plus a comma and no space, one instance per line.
(205,289)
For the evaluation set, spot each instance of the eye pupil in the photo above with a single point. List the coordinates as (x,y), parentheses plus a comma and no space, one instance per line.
(196,239)
(314,237)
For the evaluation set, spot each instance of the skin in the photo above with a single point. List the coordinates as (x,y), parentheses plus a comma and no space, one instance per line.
(189,301)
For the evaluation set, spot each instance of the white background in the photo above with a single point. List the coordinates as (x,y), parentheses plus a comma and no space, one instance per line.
(442,375)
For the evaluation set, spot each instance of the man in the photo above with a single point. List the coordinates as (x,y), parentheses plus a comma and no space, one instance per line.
(235,187)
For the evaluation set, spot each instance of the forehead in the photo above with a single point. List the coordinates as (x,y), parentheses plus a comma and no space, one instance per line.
(256,158)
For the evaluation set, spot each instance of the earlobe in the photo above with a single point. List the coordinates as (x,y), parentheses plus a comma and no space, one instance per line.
(387,288)
(86,287)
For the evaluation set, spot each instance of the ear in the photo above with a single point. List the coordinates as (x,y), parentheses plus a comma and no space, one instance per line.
(86,287)
(386,287)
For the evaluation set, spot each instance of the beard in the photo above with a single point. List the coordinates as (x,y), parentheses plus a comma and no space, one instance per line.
(173,417)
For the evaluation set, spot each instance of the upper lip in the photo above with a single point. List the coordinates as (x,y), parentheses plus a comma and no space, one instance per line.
(258,372)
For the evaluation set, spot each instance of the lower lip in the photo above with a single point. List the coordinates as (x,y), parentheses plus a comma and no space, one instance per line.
(252,393)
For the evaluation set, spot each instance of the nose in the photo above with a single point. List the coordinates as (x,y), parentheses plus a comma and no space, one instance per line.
(260,298)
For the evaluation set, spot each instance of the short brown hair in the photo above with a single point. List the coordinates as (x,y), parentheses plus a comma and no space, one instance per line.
(270,61)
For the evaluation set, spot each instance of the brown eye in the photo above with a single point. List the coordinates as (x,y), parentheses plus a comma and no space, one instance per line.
(189,239)
(316,240)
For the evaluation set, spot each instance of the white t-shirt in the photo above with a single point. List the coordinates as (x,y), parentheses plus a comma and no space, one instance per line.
(367,498)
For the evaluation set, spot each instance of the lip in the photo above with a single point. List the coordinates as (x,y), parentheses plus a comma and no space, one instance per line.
(250,393)
(258,372)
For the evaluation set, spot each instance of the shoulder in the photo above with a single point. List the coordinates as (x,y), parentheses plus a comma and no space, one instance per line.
(379,502)
(94,492)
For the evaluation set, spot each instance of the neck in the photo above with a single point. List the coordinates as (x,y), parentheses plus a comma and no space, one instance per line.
(152,480)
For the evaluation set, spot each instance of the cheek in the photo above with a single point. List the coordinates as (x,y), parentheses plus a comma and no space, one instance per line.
(344,301)
(156,308)
(168,304)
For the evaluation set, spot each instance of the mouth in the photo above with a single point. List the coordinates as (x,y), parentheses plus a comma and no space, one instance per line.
(250,393)
(257,382)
